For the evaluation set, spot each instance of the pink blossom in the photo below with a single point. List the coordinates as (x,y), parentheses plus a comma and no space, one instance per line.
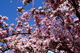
(5,18)
(4,32)
(0,16)
(12,25)
(76,19)
(18,29)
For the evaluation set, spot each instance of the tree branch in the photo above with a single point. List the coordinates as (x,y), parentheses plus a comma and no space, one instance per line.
(6,49)
(21,33)
(18,34)
(76,8)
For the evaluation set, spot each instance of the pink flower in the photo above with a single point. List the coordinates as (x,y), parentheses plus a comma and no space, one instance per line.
(0,16)
(0,47)
(18,29)
(5,24)
(23,19)
(33,9)
(26,2)
(12,25)
(10,28)
(4,31)
(46,42)
(40,8)
(5,18)
(19,22)
(76,19)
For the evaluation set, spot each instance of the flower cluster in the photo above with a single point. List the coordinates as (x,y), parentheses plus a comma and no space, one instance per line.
(55,29)
(3,25)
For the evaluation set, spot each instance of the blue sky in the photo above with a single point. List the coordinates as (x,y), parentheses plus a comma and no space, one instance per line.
(9,9)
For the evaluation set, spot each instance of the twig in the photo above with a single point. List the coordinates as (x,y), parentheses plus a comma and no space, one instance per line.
(76,8)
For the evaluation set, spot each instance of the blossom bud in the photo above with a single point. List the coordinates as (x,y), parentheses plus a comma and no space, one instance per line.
(76,19)
(40,8)
(12,25)
(0,47)
(4,31)
(0,16)
(20,9)
(26,2)
(51,16)
(5,18)
(33,9)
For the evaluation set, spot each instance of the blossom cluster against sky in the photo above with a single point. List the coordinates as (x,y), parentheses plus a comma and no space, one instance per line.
(8,8)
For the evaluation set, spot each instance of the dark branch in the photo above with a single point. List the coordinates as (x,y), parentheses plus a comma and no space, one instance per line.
(76,8)
(3,50)
(21,33)
(18,34)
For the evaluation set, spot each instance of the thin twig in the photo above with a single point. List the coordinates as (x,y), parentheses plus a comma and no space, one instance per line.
(76,8)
